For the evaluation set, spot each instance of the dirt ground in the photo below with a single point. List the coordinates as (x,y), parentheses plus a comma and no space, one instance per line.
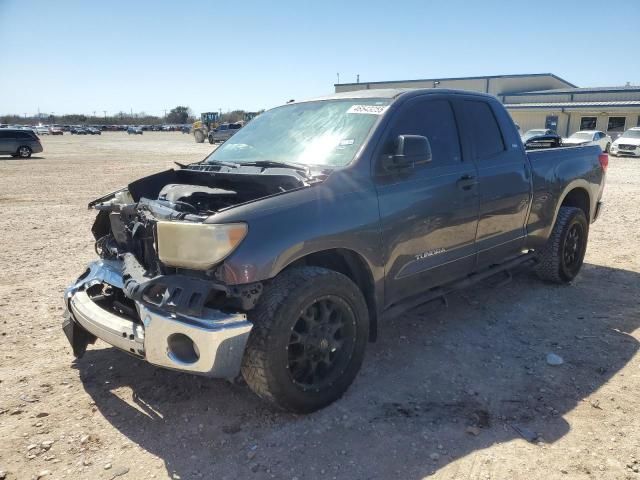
(446,392)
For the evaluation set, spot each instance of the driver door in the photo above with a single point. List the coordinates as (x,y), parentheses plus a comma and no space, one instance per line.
(429,213)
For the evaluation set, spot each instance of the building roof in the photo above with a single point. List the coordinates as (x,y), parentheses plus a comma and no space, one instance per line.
(481,77)
(556,91)
(624,103)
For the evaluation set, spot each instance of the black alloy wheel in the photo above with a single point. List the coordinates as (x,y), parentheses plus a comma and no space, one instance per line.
(322,342)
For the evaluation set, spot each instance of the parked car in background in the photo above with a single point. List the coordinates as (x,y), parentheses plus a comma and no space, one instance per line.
(536,132)
(40,130)
(134,131)
(76,130)
(56,131)
(549,140)
(628,143)
(19,142)
(224,132)
(589,137)
(94,131)
(185,129)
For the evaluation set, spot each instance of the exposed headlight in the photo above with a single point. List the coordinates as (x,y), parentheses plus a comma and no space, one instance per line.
(197,245)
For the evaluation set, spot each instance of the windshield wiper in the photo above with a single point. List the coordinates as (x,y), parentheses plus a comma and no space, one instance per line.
(273,163)
(222,164)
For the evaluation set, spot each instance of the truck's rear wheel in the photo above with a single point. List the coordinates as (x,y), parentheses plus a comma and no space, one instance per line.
(561,258)
(199,136)
(308,339)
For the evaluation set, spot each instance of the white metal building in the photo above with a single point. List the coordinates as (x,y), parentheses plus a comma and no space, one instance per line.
(541,100)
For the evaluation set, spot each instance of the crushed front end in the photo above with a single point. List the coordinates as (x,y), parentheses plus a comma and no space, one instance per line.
(155,292)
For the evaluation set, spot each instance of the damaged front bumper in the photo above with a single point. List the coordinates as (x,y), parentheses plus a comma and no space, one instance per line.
(172,334)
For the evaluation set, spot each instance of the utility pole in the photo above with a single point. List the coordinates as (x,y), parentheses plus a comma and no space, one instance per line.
(338,74)
(358,78)
(94,114)
(165,113)
(105,114)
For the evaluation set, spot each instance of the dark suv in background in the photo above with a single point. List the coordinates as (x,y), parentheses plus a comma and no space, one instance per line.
(19,143)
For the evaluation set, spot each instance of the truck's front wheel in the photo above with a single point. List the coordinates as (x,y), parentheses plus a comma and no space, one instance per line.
(308,339)
(560,260)
(199,136)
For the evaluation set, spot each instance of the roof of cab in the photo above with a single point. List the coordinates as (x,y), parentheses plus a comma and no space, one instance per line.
(393,93)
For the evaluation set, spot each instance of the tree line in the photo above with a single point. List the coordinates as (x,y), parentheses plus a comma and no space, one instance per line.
(178,115)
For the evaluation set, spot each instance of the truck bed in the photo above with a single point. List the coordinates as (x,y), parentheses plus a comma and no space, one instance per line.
(552,171)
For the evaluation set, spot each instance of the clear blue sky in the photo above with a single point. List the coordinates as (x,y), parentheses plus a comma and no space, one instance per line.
(83,56)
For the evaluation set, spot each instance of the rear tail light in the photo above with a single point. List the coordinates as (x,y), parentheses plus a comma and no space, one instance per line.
(603,158)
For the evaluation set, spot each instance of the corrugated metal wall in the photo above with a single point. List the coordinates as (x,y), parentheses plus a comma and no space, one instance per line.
(492,85)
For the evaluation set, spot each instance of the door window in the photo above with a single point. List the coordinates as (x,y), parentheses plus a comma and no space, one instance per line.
(483,129)
(551,123)
(432,119)
(588,123)
(616,124)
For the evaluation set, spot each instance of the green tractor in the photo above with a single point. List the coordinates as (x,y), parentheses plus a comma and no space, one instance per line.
(208,121)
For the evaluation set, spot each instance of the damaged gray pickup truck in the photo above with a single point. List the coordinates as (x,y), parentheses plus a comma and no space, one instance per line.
(277,256)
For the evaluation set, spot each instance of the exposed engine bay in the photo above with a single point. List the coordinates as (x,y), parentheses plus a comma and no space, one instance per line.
(127,218)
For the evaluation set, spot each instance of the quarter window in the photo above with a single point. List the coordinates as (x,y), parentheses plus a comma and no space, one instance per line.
(588,123)
(483,129)
(616,124)
(432,119)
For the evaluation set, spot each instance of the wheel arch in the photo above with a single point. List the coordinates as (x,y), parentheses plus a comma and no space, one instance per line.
(355,267)
(577,197)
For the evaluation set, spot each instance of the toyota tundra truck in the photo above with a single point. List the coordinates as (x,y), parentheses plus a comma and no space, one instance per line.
(278,256)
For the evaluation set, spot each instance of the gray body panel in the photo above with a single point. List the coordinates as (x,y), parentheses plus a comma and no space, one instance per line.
(419,231)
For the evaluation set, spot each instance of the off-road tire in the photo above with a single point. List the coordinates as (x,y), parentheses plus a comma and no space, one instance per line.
(211,141)
(265,366)
(551,265)
(24,152)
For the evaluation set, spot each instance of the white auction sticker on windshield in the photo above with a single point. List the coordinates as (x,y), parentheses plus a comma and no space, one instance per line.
(368,109)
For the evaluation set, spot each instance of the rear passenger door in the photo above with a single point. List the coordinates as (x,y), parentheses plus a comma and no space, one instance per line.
(428,213)
(503,177)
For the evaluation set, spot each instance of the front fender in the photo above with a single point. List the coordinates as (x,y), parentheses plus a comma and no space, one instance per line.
(301,223)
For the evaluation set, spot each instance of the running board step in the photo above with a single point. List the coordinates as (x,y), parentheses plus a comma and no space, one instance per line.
(441,292)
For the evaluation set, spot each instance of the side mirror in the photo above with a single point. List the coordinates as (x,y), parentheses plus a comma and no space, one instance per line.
(411,150)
